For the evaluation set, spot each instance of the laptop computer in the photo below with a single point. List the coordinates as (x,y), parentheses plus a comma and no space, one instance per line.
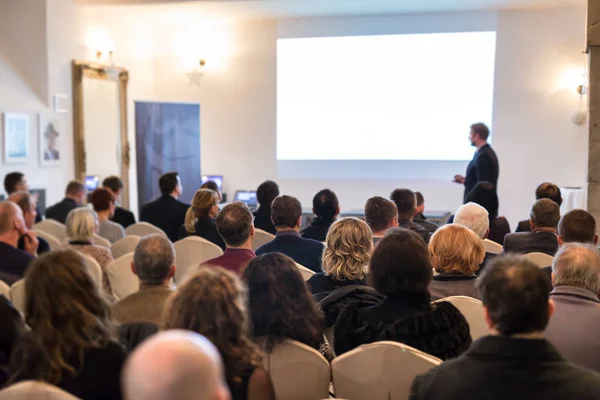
(246,196)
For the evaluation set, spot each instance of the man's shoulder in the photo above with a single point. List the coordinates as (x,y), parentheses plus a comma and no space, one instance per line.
(312,243)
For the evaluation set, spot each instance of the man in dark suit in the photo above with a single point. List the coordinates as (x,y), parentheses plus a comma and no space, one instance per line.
(381,215)
(326,207)
(515,361)
(265,194)
(546,190)
(166,212)
(121,216)
(484,167)
(14,262)
(544,218)
(74,197)
(17,182)
(286,213)
(406,202)
(419,218)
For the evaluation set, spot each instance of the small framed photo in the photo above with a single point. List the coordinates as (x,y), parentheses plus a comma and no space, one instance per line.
(16,138)
(50,134)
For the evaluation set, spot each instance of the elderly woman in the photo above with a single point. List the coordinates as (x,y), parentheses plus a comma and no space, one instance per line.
(456,253)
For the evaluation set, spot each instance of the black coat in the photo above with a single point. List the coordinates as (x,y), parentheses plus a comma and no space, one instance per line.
(530,242)
(483,167)
(332,303)
(523,226)
(317,230)
(59,211)
(123,217)
(306,252)
(262,220)
(206,228)
(166,213)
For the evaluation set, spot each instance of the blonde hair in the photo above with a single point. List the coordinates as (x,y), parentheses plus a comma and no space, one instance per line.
(455,249)
(81,224)
(203,201)
(349,245)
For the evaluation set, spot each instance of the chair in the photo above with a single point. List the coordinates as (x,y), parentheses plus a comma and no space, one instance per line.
(17,295)
(123,281)
(4,289)
(52,240)
(261,237)
(53,227)
(492,247)
(191,252)
(305,272)
(298,372)
(100,241)
(542,260)
(472,309)
(379,371)
(124,246)
(93,268)
(29,390)
(143,229)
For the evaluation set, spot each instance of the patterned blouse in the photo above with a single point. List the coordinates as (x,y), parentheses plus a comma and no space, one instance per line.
(102,255)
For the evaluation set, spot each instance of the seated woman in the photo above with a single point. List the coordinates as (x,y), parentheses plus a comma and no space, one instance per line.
(212,303)
(11,329)
(200,218)
(104,204)
(280,305)
(456,253)
(71,343)
(400,269)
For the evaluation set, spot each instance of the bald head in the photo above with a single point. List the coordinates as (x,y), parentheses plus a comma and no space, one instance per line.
(175,364)
(578,265)
(11,218)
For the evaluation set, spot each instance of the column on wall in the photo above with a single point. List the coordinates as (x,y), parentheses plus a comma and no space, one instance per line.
(593,46)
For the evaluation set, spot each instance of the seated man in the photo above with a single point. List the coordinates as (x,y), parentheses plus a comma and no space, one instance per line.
(515,361)
(122,216)
(154,265)
(419,218)
(265,194)
(326,207)
(17,182)
(406,203)
(74,197)
(576,320)
(545,191)
(167,212)
(545,215)
(381,215)
(234,224)
(476,218)
(26,201)
(286,213)
(577,226)
(14,262)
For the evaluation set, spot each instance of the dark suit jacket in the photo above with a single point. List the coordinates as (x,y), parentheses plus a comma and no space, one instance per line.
(523,226)
(166,213)
(483,167)
(262,220)
(499,228)
(317,230)
(306,252)
(418,229)
(59,211)
(123,217)
(530,242)
(500,368)
(425,223)
(13,263)
(206,228)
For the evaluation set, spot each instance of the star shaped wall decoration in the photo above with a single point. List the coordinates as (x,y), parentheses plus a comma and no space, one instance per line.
(195,77)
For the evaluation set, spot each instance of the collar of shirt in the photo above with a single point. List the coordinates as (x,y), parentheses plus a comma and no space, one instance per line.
(290,233)
(239,251)
(575,292)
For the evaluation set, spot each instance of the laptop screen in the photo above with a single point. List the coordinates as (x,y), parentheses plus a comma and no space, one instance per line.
(92,182)
(248,197)
(218,179)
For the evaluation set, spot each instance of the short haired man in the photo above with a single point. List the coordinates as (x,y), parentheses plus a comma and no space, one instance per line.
(175,364)
(14,262)
(265,194)
(17,182)
(122,216)
(406,203)
(166,212)
(286,213)
(154,264)
(420,218)
(327,208)
(577,226)
(26,201)
(515,361)
(544,218)
(546,190)
(236,227)
(74,197)
(381,215)
(476,218)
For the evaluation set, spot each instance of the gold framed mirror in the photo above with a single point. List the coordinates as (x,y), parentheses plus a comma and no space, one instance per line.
(100,122)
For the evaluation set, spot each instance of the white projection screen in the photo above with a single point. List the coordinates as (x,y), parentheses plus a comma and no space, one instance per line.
(383,97)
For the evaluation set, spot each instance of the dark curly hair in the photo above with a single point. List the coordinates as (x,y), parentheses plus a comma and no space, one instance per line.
(280,305)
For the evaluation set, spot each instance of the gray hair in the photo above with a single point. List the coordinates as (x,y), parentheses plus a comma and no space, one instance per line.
(81,224)
(474,217)
(153,257)
(578,265)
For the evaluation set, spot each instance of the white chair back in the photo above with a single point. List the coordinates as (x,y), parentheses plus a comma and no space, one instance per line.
(17,295)
(53,227)
(492,247)
(261,237)
(142,229)
(124,246)
(94,269)
(123,281)
(52,240)
(298,372)
(305,272)
(100,241)
(472,309)
(191,252)
(34,390)
(542,260)
(4,289)
(379,371)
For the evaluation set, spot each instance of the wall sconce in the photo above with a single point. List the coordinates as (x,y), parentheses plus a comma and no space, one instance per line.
(195,75)
(99,55)
(579,118)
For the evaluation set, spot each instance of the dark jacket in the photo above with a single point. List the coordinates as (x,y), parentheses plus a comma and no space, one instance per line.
(437,329)
(334,302)
(319,283)
(166,213)
(500,368)
(59,211)
(531,242)
(13,263)
(11,328)
(445,285)
(483,167)
(425,223)
(262,220)
(523,226)
(123,217)
(306,252)
(206,228)
(418,229)
(317,230)
(499,228)
(43,246)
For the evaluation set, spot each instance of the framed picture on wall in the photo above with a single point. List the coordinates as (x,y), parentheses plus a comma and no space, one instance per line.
(50,133)
(16,138)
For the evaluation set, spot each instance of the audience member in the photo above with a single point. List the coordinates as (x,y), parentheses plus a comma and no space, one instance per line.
(154,264)
(286,213)
(167,212)
(326,208)
(212,303)
(200,218)
(545,215)
(577,226)
(71,343)
(177,364)
(573,327)
(544,191)
(103,202)
(235,226)
(74,197)
(280,305)
(11,329)
(14,262)
(406,203)
(381,214)
(419,217)
(484,194)
(456,254)
(476,218)
(212,185)
(26,202)
(17,182)
(265,194)
(400,269)
(515,361)
(121,216)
